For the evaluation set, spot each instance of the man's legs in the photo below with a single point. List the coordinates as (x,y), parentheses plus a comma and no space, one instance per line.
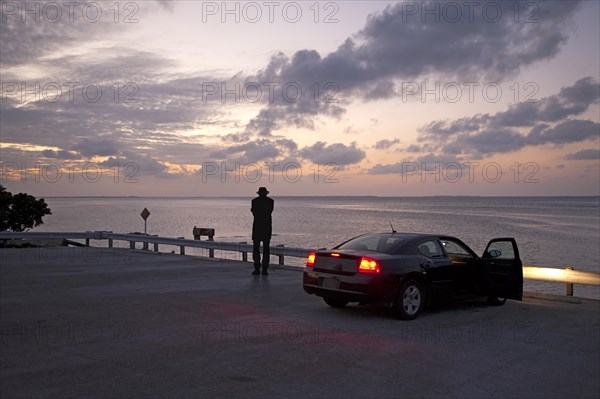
(256,256)
(266,255)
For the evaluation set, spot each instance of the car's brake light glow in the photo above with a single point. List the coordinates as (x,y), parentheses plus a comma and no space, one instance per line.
(368,265)
(310,261)
(335,254)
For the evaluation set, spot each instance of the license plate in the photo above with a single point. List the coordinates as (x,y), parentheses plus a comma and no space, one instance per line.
(332,283)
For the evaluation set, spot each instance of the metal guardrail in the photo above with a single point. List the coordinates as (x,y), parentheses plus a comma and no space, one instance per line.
(569,276)
(94,235)
(244,248)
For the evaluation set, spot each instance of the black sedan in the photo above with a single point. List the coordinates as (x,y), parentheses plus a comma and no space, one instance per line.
(407,270)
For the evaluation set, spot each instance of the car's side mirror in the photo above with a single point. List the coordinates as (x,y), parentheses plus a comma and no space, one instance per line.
(494,253)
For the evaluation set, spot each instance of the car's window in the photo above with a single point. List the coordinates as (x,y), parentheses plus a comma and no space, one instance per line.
(391,244)
(431,249)
(367,243)
(454,248)
(387,243)
(506,249)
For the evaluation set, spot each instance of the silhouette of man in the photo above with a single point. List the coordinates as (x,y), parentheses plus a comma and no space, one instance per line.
(262,207)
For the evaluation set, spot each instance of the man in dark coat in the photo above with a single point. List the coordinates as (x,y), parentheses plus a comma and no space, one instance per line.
(262,207)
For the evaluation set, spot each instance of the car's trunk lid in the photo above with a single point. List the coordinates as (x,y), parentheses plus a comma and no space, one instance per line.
(338,262)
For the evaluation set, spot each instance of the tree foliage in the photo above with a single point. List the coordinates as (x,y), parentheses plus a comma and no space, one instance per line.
(20,212)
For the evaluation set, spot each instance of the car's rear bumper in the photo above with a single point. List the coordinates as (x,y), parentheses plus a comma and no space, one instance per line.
(358,288)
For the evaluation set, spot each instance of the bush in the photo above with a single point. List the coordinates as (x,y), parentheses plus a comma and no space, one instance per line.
(21,211)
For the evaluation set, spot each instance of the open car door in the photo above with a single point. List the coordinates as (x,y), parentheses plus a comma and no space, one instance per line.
(503,268)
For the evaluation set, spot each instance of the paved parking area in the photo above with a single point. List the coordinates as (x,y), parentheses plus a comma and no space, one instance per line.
(85,322)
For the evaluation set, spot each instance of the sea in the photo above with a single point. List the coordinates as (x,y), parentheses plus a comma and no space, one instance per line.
(551,231)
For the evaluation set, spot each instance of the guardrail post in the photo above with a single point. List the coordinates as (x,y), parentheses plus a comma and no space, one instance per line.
(181,247)
(110,242)
(87,242)
(244,253)
(281,259)
(155,247)
(131,244)
(569,285)
(211,251)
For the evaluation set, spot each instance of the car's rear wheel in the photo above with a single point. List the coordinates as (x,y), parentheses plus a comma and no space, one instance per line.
(335,303)
(411,300)
(495,301)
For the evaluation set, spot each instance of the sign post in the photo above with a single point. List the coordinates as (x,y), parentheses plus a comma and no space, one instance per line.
(145,213)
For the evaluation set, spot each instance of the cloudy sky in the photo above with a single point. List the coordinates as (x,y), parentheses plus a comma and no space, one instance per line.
(192,98)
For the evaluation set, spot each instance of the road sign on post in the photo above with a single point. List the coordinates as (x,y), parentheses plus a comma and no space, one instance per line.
(145,213)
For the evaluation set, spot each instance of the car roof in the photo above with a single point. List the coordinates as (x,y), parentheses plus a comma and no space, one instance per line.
(410,236)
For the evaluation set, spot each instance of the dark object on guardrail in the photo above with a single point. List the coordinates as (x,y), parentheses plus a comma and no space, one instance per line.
(203,231)
(208,232)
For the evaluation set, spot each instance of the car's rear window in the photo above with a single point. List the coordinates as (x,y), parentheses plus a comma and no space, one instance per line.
(385,243)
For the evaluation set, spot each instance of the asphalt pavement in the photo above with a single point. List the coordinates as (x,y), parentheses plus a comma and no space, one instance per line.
(89,322)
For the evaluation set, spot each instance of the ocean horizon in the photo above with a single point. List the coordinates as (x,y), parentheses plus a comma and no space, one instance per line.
(324,196)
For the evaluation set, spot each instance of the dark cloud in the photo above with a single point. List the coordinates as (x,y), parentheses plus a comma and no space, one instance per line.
(167,4)
(426,163)
(570,131)
(236,137)
(140,99)
(549,122)
(488,141)
(118,64)
(462,125)
(136,116)
(570,101)
(31,40)
(413,148)
(586,155)
(394,41)
(396,168)
(397,45)
(290,145)
(35,31)
(380,90)
(337,153)
(385,144)
(261,150)
(139,166)
(60,154)
(96,147)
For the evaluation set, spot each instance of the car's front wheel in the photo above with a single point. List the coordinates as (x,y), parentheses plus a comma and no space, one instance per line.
(410,301)
(496,301)
(335,303)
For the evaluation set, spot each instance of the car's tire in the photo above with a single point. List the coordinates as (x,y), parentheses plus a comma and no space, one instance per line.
(411,300)
(495,301)
(335,303)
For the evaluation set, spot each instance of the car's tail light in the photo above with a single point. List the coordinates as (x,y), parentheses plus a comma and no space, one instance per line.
(310,261)
(368,265)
